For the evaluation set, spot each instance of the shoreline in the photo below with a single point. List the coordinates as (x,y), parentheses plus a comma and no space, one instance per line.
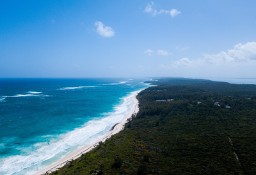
(116,128)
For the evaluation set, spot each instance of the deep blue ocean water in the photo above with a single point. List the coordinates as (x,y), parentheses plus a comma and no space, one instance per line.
(36,113)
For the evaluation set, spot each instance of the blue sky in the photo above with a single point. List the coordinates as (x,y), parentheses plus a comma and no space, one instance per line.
(120,38)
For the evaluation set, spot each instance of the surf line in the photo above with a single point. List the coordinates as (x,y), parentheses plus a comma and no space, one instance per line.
(116,128)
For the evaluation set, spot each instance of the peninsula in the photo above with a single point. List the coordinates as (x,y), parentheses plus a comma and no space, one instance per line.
(184,126)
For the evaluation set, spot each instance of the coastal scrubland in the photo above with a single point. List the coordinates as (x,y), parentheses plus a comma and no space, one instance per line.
(184,126)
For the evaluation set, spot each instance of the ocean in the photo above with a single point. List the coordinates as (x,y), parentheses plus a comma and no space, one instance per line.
(42,120)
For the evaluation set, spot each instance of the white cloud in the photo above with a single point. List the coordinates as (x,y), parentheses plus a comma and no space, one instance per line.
(239,53)
(150,9)
(149,52)
(174,12)
(103,30)
(159,52)
(184,61)
(236,62)
(163,53)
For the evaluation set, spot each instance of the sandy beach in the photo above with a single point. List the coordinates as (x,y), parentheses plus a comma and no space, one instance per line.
(134,108)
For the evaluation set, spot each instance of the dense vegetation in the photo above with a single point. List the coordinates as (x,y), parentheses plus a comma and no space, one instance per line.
(183,127)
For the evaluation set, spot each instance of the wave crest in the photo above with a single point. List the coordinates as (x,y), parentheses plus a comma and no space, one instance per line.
(75,87)
(118,83)
(28,94)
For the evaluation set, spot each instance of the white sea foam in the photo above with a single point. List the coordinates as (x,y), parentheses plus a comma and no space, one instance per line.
(118,83)
(76,87)
(23,95)
(28,94)
(46,153)
(34,92)
(2,99)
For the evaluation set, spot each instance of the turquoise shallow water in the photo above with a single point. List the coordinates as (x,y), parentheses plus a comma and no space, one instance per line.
(39,118)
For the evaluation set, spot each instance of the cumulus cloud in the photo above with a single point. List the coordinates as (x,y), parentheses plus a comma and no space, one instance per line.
(103,30)
(184,61)
(235,62)
(173,12)
(239,53)
(151,10)
(159,52)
